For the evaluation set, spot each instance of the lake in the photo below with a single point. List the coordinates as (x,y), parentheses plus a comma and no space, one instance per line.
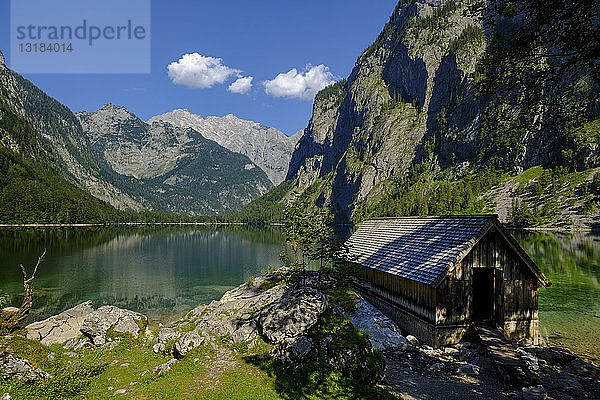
(165,271)
(570,308)
(160,271)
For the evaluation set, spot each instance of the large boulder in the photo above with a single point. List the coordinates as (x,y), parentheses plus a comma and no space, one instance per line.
(167,334)
(232,316)
(382,331)
(97,324)
(293,351)
(245,332)
(187,343)
(293,314)
(62,327)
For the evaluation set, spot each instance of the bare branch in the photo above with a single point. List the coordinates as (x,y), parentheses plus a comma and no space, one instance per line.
(28,291)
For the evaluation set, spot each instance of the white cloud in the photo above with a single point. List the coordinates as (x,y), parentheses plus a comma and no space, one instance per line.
(241,85)
(197,71)
(304,85)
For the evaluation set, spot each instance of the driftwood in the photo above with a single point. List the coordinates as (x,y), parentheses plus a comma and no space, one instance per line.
(25,308)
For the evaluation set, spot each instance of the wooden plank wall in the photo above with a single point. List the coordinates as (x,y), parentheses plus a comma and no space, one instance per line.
(516,299)
(520,295)
(413,296)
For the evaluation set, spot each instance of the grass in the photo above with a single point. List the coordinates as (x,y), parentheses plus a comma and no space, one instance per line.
(129,366)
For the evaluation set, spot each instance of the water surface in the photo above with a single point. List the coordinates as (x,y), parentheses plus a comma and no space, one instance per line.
(570,308)
(155,270)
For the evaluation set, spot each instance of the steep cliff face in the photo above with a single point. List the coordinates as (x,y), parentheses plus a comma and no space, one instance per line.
(178,169)
(268,148)
(431,100)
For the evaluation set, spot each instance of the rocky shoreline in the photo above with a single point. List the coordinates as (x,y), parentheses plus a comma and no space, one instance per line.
(302,324)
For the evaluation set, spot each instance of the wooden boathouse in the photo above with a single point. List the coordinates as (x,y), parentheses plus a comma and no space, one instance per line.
(438,276)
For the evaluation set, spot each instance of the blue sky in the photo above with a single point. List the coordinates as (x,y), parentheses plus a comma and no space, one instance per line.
(258,39)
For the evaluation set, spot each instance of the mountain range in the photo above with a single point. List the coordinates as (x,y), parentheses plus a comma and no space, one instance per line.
(133,165)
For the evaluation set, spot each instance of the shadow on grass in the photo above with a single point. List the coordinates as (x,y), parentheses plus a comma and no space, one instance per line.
(313,381)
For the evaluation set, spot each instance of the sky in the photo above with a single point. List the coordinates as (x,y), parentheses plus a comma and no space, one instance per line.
(260,60)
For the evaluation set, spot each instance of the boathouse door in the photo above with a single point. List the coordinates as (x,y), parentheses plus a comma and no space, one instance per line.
(483,294)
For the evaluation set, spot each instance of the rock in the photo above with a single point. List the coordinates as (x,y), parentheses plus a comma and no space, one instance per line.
(62,327)
(579,367)
(530,360)
(382,331)
(412,340)
(125,364)
(570,384)
(535,393)
(120,391)
(127,324)
(450,350)
(110,388)
(294,351)
(300,347)
(187,343)
(78,343)
(162,368)
(10,310)
(166,334)
(5,396)
(158,348)
(148,336)
(245,333)
(231,316)
(20,368)
(466,353)
(70,354)
(110,345)
(268,148)
(468,369)
(291,315)
(437,367)
(99,322)
(196,312)
(554,355)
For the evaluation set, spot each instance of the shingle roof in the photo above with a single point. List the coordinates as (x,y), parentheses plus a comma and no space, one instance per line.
(422,249)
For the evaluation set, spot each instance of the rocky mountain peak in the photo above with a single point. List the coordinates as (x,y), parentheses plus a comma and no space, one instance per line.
(179,113)
(2,61)
(267,147)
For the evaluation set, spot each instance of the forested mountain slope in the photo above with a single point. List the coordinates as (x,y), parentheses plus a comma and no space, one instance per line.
(463,106)
(32,188)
